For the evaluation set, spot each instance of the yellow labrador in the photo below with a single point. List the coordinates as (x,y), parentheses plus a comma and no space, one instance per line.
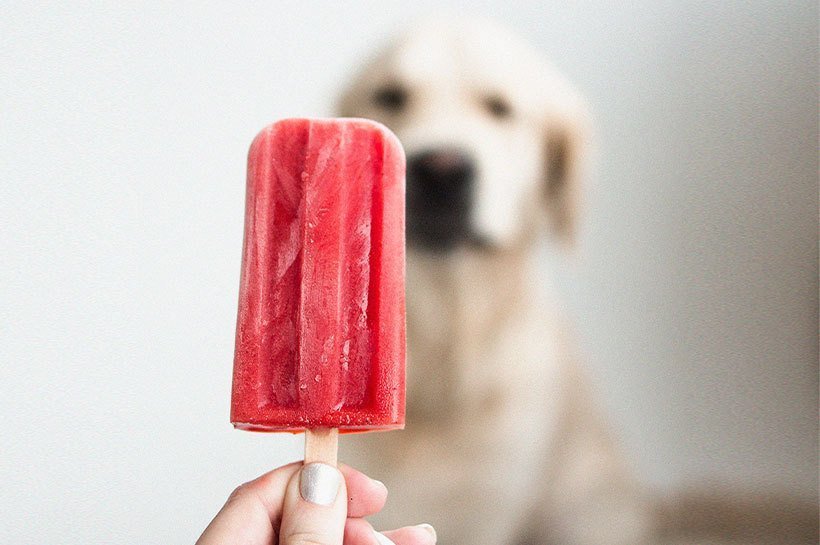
(505,443)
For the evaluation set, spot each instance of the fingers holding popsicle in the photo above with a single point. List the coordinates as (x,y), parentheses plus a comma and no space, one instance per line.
(307,502)
(315,502)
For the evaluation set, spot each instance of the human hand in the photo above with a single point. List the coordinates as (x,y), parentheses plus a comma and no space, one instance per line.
(314,504)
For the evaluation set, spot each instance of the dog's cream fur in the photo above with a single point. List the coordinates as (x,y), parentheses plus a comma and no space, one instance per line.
(505,443)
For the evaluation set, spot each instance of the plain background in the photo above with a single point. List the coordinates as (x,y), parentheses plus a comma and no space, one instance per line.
(123,134)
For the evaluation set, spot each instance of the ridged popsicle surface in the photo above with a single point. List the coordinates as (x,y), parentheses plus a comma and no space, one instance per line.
(320,337)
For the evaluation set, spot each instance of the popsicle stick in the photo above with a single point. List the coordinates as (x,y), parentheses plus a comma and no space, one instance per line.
(322,445)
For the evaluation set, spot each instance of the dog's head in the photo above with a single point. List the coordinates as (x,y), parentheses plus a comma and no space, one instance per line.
(493,134)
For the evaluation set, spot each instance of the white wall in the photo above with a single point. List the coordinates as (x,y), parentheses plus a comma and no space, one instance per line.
(123,134)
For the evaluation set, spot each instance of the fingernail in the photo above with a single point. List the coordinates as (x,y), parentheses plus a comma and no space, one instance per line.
(429,529)
(319,483)
(379,483)
(383,539)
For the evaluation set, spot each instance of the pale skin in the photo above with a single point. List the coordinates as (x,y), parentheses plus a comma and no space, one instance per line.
(270,510)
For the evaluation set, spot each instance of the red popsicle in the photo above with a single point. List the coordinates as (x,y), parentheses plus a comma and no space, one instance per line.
(320,330)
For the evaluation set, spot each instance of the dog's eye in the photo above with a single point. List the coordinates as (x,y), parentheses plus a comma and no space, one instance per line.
(391,97)
(497,106)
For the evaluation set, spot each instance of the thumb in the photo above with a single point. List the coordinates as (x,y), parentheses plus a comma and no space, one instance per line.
(315,507)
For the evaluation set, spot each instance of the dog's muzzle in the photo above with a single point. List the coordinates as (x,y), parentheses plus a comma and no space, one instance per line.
(439,198)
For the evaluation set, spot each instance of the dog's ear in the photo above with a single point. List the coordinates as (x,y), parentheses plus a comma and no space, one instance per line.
(567,139)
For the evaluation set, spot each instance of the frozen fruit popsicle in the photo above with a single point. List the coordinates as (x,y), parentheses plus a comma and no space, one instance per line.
(320,335)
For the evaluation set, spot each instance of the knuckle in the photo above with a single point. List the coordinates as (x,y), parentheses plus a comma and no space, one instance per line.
(307,538)
(238,493)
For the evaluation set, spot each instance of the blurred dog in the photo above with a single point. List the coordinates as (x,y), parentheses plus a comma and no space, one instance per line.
(505,443)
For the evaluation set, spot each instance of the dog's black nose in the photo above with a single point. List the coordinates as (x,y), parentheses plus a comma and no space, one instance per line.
(439,197)
(443,176)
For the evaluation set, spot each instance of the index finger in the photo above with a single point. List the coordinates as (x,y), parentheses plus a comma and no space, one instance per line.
(253,510)
(365,496)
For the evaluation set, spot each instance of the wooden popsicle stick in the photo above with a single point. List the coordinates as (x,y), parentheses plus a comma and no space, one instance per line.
(322,445)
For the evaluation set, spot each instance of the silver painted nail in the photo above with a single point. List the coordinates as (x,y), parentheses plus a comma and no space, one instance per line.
(319,483)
